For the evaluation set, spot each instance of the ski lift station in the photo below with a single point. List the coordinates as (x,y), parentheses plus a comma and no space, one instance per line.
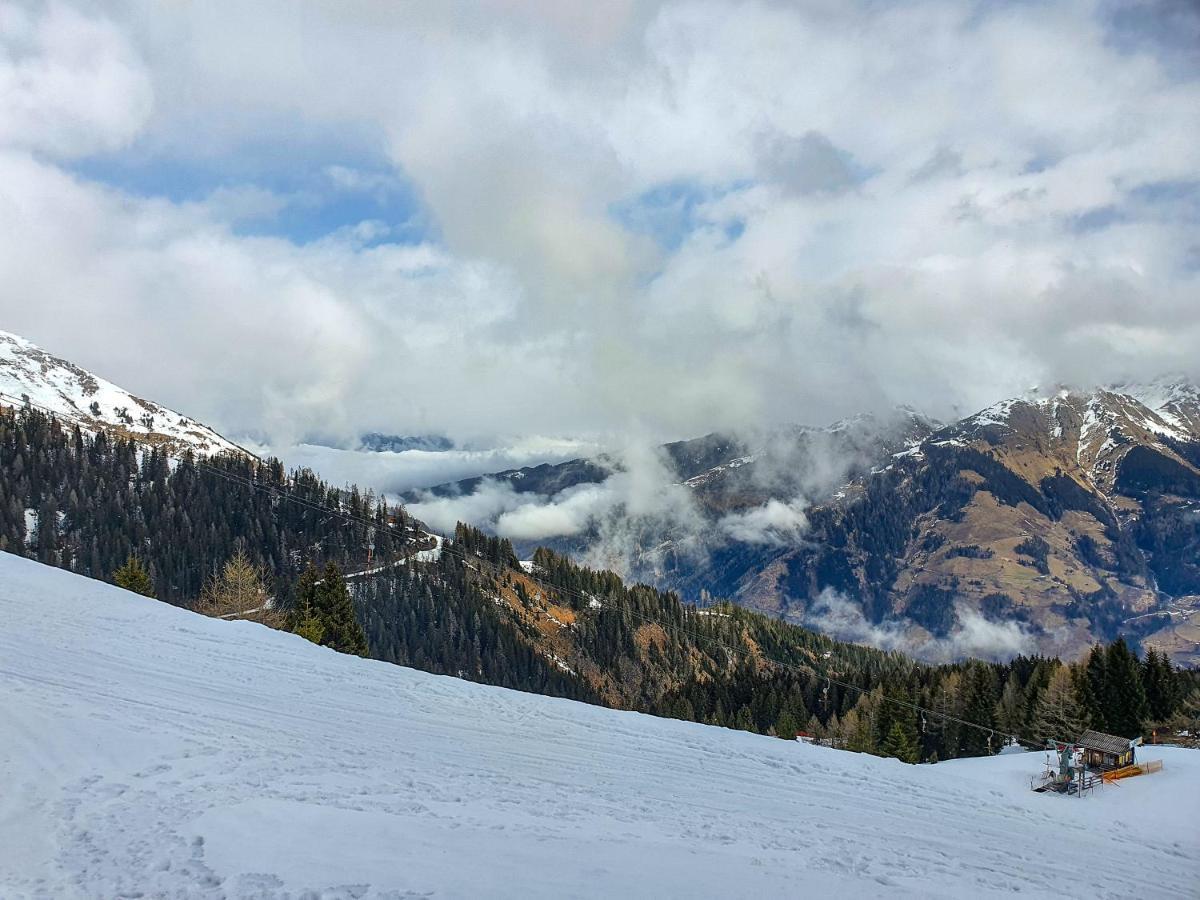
(1094,759)
(1105,752)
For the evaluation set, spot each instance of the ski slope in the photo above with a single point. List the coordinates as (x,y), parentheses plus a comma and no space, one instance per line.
(147,751)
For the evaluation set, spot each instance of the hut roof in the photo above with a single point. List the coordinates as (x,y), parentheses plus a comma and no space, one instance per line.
(1105,743)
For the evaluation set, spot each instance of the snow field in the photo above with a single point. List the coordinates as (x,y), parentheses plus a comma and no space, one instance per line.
(148,751)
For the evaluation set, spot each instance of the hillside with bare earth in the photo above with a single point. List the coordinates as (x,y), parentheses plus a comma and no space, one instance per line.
(1073,517)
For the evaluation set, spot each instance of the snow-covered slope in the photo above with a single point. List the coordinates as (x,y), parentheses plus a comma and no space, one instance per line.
(78,396)
(149,751)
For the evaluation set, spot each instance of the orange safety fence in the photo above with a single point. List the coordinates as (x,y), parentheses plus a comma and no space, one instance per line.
(1146,768)
(1123,772)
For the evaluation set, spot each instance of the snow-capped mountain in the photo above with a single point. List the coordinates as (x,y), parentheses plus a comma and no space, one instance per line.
(75,395)
(1099,428)
(1059,520)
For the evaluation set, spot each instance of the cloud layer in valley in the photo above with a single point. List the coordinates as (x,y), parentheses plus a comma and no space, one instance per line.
(973,635)
(525,217)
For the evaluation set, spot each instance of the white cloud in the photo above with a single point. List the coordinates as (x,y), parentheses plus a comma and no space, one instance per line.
(878,205)
(395,473)
(775,523)
(570,514)
(972,636)
(70,84)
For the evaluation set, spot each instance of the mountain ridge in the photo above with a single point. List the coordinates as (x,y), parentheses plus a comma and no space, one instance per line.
(96,404)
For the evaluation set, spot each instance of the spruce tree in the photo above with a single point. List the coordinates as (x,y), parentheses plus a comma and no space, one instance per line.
(900,744)
(335,611)
(1093,689)
(133,577)
(1127,709)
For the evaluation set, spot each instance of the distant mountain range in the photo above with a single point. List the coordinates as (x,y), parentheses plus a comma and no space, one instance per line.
(1043,522)
(375,442)
(77,396)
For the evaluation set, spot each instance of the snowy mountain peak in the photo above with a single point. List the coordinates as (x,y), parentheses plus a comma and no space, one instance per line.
(1167,407)
(1092,429)
(75,395)
(1175,401)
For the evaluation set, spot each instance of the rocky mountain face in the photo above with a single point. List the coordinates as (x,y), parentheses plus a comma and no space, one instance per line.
(1038,524)
(76,396)
(1071,518)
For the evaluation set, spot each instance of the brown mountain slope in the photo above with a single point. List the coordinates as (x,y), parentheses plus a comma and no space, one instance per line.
(1071,517)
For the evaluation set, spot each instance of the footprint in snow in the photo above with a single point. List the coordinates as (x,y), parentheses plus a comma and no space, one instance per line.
(153,770)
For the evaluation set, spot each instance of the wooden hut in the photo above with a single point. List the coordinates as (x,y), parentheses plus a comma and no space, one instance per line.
(1106,751)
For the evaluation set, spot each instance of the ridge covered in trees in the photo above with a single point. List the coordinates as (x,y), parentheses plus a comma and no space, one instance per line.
(636,647)
(90,503)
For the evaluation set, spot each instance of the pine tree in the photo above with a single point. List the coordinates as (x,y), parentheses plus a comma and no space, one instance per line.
(306,618)
(1010,711)
(1158,682)
(900,744)
(979,708)
(859,726)
(1093,689)
(1127,710)
(238,591)
(133,577)
(335,611)
(945,731)
(785,726)
(309,627)
(815,728)
(1187,715)
(1059,714)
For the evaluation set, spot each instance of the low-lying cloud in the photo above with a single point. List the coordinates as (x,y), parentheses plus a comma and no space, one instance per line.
(394,473)
(642,497)
(972,636)
(776,523)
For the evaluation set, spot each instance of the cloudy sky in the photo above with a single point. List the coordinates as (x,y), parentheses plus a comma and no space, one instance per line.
(543,217)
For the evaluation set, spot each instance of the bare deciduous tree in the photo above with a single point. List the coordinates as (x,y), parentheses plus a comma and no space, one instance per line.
(239,591)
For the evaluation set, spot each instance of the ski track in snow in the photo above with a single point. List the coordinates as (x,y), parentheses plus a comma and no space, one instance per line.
(148,751)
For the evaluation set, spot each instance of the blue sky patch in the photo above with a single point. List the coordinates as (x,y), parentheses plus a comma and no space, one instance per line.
(298,193)
(671,212)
